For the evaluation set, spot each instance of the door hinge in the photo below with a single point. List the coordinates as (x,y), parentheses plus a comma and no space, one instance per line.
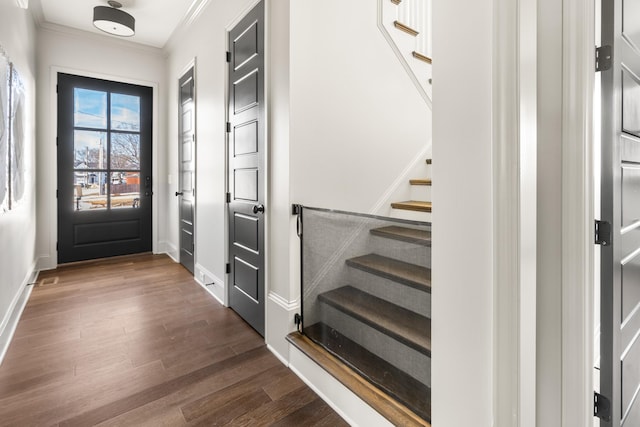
(57,88)
(228,197)
(601,407)
(228,268)
(56,194)
(56,246)
(603,58)
(228,127)
(228,57)
(297,320)
(602,232)
(57,141)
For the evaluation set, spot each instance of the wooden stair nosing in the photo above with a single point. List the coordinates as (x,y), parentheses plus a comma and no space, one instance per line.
(404,234)
(413,205)
(421,57)
(420,182)
(391,409)
(405,326)
(412,275)
(405,28)
(387,377)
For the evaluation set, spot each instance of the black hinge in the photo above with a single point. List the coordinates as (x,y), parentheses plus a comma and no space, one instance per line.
(296,209)
(601,407)
(56,88)
(228,127)
(228,56)
(56,246)
(57,141)
(603,58)
(228,197)
(56,194)
(228,270)
(602,232)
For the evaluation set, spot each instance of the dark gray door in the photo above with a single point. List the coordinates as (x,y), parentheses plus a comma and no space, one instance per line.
(620,281)
(104,168)
(187,161)
(246,167)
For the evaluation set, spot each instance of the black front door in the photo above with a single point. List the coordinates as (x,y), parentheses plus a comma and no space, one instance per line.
(246,167)
(620,206)
(104,168)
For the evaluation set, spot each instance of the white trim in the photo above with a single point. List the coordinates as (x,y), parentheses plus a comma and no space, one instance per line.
(577,212)
(10,321)
(283,302)
(515,201)
(281,358)
(215,285)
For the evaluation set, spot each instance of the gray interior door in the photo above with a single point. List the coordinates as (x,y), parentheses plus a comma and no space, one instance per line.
(187,161)
(246,152)
(620,281)
(104,168)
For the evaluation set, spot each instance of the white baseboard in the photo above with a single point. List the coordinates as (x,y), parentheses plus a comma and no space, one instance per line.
(168,248)
(211,283)
(11,318)
(279,323)
(349,406)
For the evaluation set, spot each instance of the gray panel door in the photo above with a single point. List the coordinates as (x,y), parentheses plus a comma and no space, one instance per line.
(104,168)
(620,281)
(187,161)
(246,168)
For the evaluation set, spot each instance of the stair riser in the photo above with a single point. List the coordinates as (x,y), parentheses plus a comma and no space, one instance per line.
(403,357)
(404,251)
(420,192)
(410,215)
(396,293)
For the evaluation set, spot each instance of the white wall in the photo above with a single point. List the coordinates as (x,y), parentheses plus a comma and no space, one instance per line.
(76,52)
(462,262)
(18,227)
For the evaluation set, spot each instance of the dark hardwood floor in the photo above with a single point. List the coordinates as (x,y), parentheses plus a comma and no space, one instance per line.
(134,341)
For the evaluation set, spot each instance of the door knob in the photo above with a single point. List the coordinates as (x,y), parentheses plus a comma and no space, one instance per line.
(179,193)
(258,208)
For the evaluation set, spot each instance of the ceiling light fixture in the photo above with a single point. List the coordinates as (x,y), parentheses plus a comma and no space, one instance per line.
(114,21)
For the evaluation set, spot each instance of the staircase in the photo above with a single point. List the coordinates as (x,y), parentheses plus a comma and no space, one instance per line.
(418,208)
(406,24)
(378,322)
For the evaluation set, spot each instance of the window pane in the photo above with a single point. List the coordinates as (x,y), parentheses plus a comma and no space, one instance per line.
(125,112)
(90,190)
(89,149)
(125,151)
(125,190)
(89,108)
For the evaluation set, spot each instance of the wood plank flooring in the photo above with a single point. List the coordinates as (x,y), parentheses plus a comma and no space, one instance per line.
(134,341)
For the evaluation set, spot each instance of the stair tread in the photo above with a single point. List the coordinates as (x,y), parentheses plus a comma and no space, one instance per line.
(394,382)
(421,57)
(405,28)
(412,275)
(399,323)
(413,205)
(411,235)
(420,182)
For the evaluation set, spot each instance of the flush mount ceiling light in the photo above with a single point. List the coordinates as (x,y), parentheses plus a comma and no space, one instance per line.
(114,21)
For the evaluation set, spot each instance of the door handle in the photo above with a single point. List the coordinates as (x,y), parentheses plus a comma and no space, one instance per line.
(179,193)
(258,208)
